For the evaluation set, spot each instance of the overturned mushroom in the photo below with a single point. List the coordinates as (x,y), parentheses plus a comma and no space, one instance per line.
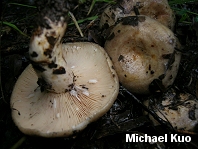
(178,109)
(67,86)
(144,53)
(156,9)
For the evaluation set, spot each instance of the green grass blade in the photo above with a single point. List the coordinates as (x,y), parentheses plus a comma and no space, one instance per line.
(184,11)
(22,5)
(94,1)
(174,2)
(106,1)
(86,19)
(14,27)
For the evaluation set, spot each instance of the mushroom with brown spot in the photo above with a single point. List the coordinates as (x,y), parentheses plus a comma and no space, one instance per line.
(156,9)
(178,109)
(67,86)
(143,52)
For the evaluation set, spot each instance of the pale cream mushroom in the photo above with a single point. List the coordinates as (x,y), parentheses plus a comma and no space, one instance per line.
(156,9)
(143,50)
(67,86)
(178,109)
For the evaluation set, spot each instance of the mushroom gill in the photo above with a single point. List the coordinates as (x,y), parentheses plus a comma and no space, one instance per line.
(66,86)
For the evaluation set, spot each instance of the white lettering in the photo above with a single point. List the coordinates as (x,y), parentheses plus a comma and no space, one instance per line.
(180,138)
(136,138)
(147,138)
(165,140)
(155,139)
(173,138)
(141,139)
(187,138)
(160,139)
(176,138)
(130,138)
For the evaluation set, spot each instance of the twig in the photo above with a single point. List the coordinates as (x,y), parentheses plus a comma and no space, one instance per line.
(91,7)
(18,143)
(187,132)
(160,120)
(76,23)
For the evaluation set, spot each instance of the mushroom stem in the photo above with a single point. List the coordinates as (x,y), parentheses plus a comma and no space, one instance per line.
(77,81)
(46,48)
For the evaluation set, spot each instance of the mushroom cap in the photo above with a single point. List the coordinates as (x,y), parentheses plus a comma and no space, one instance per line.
(142,50)
(156,9)
(93,92)
(180,110)
(111,15)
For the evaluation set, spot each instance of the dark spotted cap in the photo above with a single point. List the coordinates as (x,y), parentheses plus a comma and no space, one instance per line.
(52,9)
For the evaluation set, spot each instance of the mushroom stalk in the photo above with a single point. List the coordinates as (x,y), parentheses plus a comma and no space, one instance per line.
(46,48)
(78,83)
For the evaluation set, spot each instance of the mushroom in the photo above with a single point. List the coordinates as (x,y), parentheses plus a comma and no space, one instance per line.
(143,52)
(156,9)
(67,86)
(179,109)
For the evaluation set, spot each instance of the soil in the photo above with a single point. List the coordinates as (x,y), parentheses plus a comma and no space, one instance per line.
(127,113)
